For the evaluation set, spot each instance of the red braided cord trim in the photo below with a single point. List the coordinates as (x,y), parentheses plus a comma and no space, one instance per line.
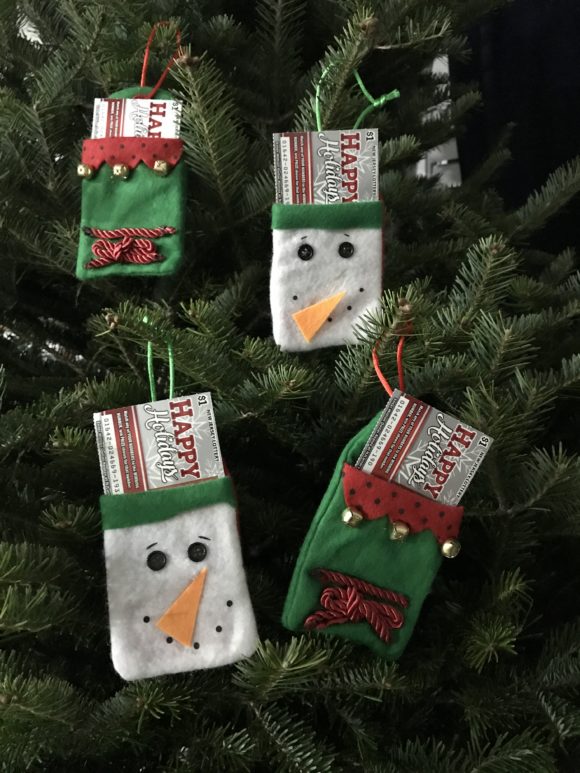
(119,233)
(130,249)
(350,604)
(328,577)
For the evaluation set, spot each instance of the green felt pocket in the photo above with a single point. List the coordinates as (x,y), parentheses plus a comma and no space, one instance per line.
(144,200)
(119,511)
(364,552)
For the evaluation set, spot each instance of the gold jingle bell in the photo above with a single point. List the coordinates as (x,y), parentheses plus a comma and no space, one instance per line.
(84,170)
(161,167)
(399,531)
(450,548)
(121,171)
(351,517)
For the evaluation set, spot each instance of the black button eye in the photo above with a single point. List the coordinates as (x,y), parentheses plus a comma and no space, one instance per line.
(197,551)
(346,250)
(305,252)
(156,560)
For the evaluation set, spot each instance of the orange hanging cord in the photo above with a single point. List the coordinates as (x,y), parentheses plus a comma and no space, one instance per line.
(400,372)
(163,75)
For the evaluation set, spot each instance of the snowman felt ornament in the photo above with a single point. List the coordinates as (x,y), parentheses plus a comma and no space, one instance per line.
(326,271)
(327,232)
(178,599)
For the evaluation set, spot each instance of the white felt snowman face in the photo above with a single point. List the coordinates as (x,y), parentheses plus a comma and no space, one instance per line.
(324,279)
(178,599)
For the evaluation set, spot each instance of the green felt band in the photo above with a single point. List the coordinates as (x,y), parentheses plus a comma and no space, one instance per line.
(118,511)
(332,217)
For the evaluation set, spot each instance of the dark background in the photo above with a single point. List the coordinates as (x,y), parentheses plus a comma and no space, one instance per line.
(526,60)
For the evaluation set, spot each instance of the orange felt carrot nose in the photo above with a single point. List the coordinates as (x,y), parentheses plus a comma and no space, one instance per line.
(178,621)
(311,319)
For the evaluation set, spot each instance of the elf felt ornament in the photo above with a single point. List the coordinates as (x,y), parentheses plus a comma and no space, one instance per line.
(327,257)
(176,588)
(375,546)
(133,190)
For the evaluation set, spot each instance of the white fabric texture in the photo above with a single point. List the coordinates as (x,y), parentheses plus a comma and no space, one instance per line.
(136,592)
(324,275)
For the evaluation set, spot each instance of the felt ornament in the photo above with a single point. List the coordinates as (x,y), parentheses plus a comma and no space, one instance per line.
(131,224)
(177,593)
(373,548)
(133,196)
(369,558)
(327,260)
(326,271)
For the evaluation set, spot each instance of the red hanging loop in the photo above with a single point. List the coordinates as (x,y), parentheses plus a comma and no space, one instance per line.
(400,372)
(163,75)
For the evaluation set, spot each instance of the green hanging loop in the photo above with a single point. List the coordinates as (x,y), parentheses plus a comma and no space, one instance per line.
(171,369)
(317,99)
(373,103)
(362,87)
(151,374)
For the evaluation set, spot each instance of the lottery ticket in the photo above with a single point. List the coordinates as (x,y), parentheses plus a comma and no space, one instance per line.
(159,444)
(424,449)
(326,167)
(136,118)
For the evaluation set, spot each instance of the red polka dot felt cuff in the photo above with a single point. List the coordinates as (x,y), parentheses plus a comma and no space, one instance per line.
(374,497)
(131,151)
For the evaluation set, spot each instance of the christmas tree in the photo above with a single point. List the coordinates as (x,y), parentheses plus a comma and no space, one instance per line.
(489,681)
